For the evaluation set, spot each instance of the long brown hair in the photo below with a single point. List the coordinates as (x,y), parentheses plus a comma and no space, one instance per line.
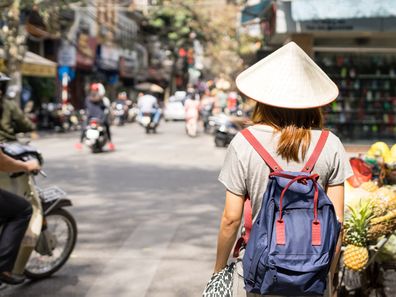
(294,125)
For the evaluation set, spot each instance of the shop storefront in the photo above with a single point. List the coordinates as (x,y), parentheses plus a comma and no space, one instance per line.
(356,47)
(366,104)
(39,78)
(33,65)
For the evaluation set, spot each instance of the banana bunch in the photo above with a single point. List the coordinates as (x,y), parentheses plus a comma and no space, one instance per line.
(381,150)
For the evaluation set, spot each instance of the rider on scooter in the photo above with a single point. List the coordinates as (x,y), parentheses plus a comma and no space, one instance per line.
(15,213)
(97,106)
(122,99)
(149,104)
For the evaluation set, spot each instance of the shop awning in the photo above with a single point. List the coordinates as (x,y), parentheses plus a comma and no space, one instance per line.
(33,65)
(254,11)
(308,10)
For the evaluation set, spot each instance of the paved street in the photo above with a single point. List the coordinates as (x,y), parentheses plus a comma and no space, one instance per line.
(147,214)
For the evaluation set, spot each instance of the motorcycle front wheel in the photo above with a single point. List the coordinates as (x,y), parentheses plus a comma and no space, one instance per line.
(55,245)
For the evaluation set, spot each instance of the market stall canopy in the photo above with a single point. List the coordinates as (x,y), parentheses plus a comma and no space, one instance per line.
(150,87)
(307,10)
(252,12)
(33,65)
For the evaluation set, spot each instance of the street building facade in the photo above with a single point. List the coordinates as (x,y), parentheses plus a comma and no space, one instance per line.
(354,45)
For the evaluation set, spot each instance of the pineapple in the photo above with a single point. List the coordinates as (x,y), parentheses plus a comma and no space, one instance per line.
(356,227)
(355,257)
(379,207)
(384,211)
(380,226)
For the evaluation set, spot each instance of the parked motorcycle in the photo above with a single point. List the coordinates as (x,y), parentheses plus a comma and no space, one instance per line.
(69,119)
(95,136)
(59,117)
(52,231)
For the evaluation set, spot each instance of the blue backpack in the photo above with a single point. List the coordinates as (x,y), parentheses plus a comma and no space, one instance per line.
(290,246)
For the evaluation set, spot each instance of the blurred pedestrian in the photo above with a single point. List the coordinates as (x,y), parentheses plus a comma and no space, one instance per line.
(287,123)
(222,99)
(206,109)
(232,102)
(191,107)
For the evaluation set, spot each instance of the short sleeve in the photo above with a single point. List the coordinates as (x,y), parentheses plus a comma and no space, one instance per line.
(232,174)
(341,168)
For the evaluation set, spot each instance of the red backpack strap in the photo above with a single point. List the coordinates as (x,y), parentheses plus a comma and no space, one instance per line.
(261,150)
(247,208)
(318,149)
(248,224)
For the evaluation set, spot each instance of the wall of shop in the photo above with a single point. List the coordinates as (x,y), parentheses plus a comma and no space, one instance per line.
(359,55)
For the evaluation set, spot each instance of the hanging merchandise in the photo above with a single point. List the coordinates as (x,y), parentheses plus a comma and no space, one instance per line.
(365,107)
(356,84)
(352,73)
(344,72)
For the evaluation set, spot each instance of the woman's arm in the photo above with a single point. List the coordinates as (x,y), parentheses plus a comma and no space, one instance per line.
(229,226)
(8,164)
(336,195)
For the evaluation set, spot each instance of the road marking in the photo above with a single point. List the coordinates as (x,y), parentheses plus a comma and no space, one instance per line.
(133,267)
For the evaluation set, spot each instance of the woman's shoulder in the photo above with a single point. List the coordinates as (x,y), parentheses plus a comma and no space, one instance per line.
(238,141)
(241,145)
(333,143)
(332,138)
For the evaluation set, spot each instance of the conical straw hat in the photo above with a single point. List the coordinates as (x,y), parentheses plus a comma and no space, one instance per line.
(287,78)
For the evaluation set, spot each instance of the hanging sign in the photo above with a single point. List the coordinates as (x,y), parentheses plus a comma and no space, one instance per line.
(109,58)
(86,51)
(67,55)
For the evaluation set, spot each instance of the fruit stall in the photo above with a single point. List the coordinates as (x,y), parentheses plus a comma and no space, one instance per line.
(369,237)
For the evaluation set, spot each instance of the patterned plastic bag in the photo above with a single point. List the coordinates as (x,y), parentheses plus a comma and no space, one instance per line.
(220,285)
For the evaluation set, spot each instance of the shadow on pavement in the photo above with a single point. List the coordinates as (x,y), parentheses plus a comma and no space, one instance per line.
(112,200)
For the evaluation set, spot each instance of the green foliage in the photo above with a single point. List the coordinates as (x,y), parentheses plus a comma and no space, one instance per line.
(248,44)
(174,23)
(178,22)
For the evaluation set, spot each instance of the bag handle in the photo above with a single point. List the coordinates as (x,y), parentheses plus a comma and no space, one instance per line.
(318,149)
(261,150)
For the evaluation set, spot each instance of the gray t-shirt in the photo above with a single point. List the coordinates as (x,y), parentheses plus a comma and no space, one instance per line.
(245,172)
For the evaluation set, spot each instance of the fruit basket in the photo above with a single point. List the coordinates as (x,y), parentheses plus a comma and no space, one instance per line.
(370,218)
